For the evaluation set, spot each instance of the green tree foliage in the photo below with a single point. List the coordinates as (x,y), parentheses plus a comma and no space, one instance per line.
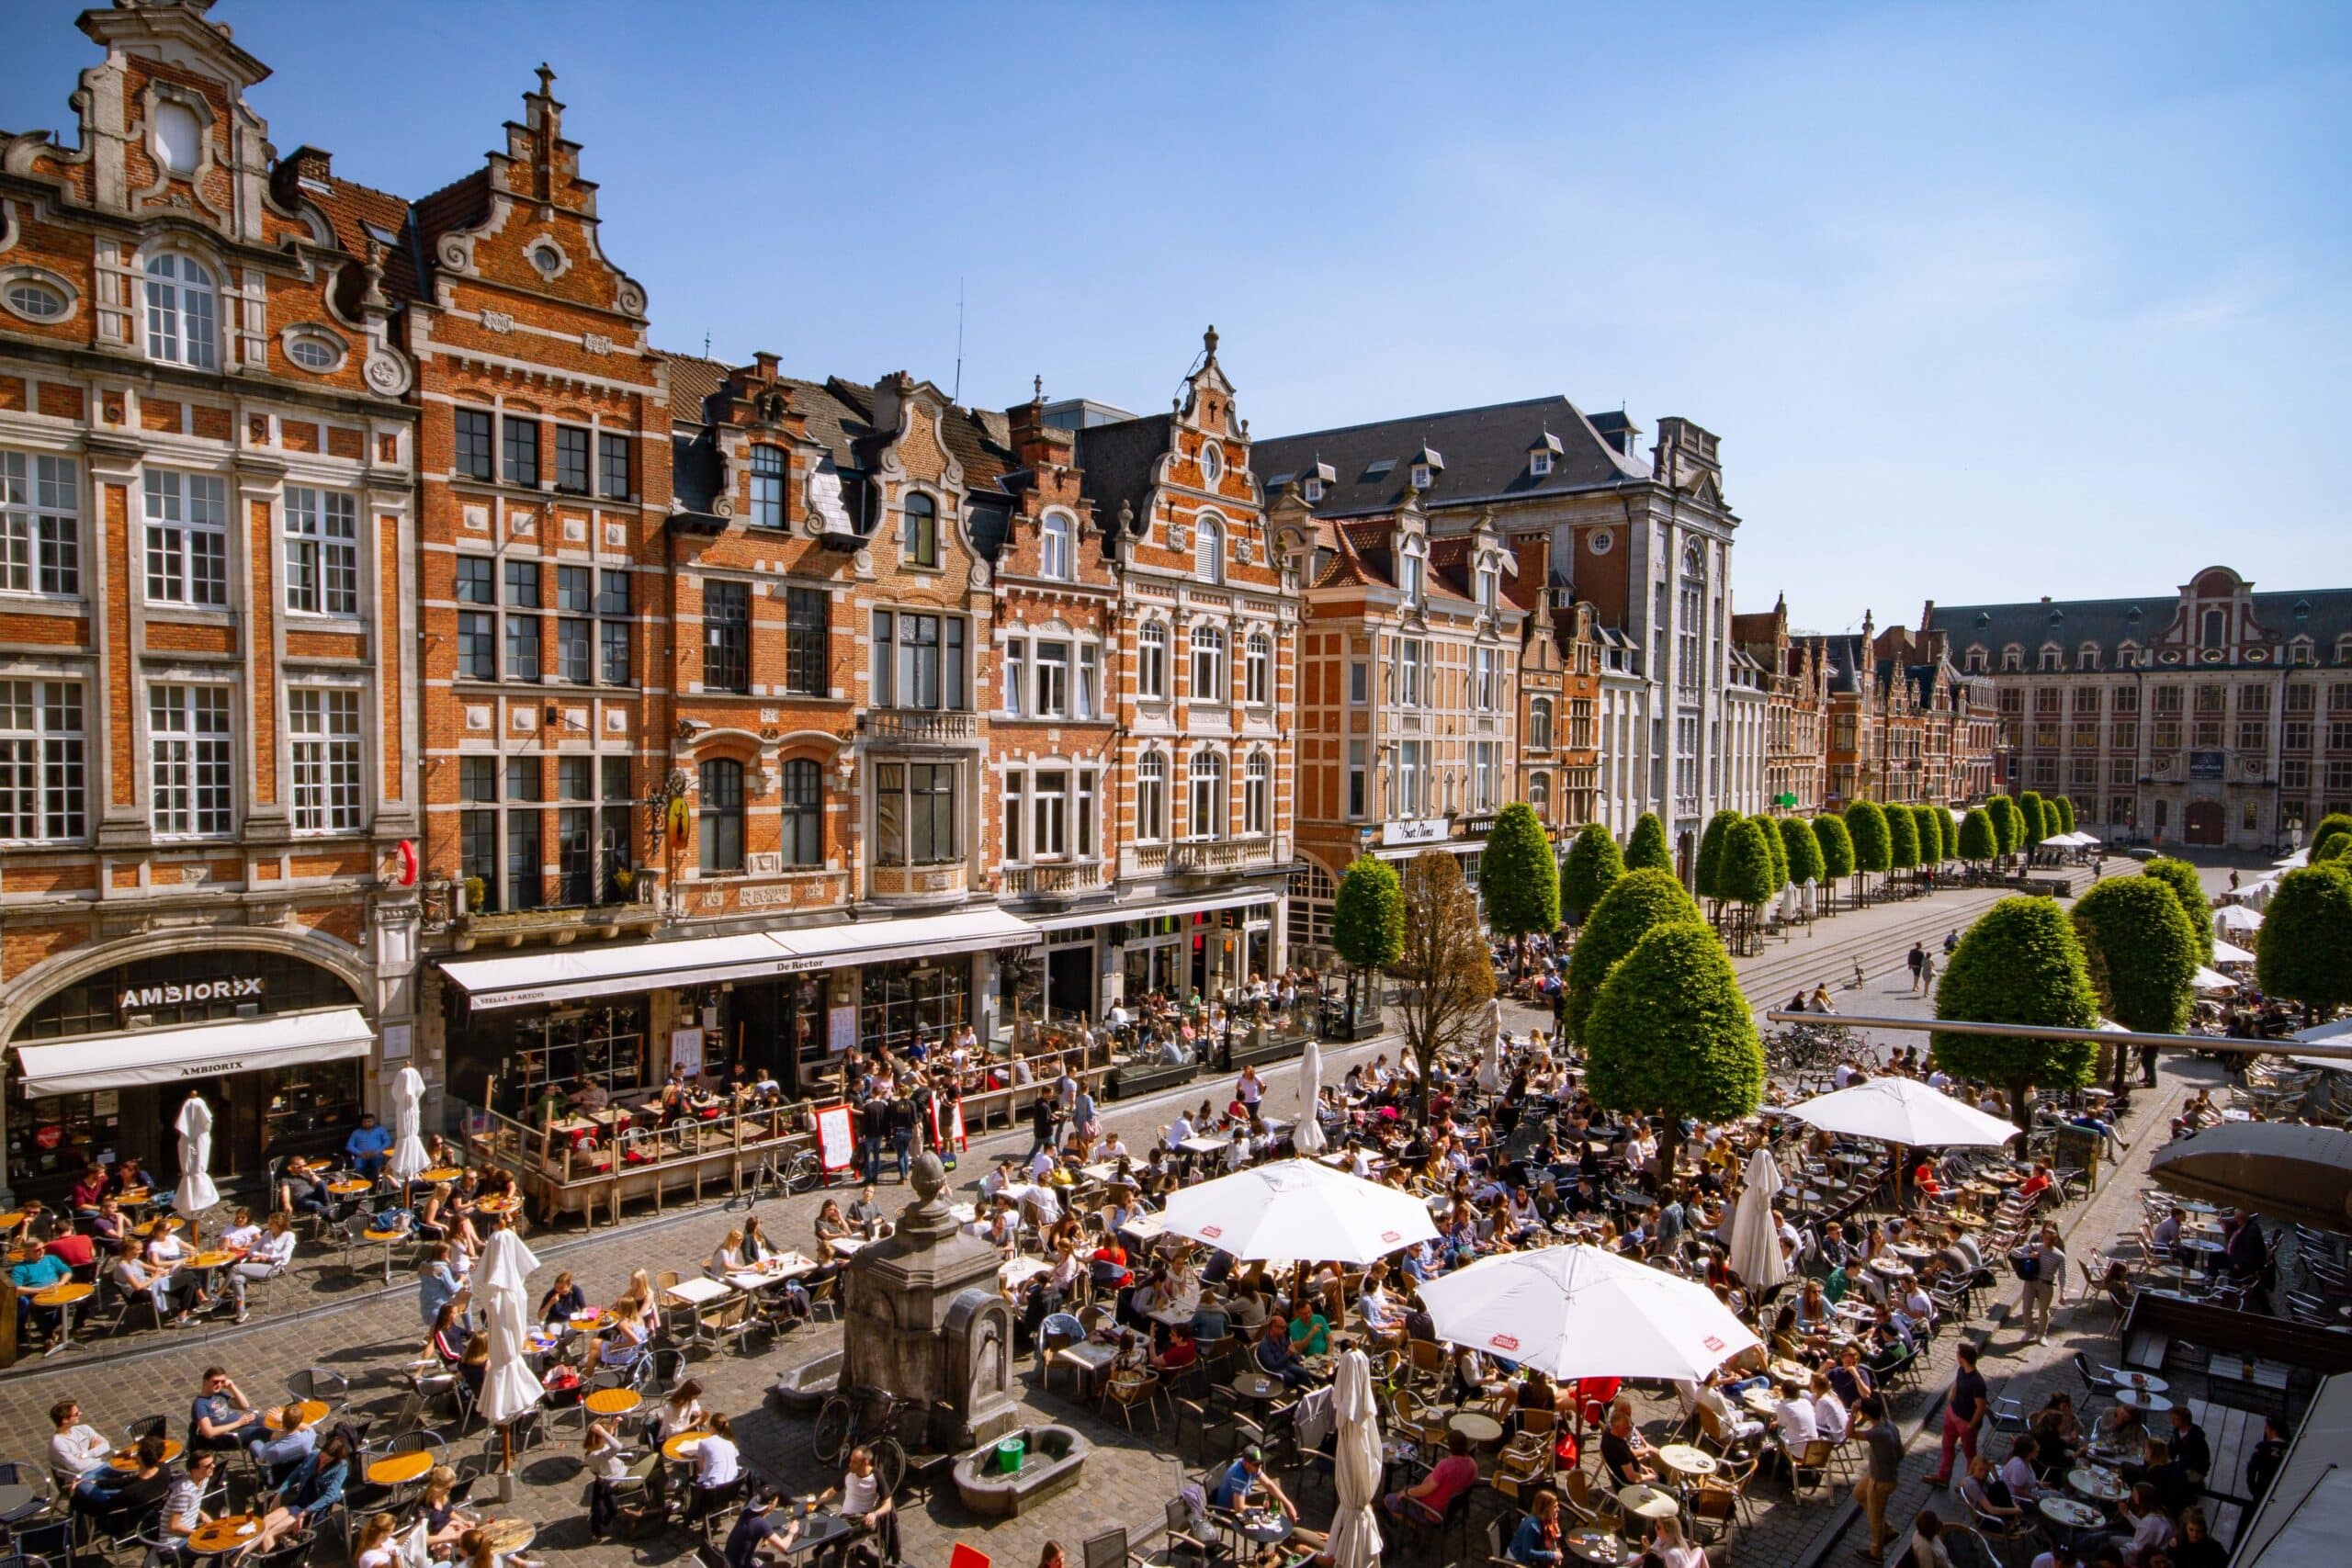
(1745,875)
(1937,832)
(2334,822)
(2181,878)
(2008,824)
(2037,824)
(1836,846)
(2304,949)
(2018,963)
(1519,876)
(1641,898)
(1647,849)
(1804,850)
(1779,851)
(1866,826)
(1902,838)
(1711,853)
(2065,814)
(1447,971)
(2141,951)
(2336,846)
(1979,840)
(1594,862)
(1670,1034)
(1368,915)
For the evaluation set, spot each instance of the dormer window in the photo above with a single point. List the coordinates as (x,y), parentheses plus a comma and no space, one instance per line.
(1313,490)
(1421,476)
(1539,462)
(179,138)
(1489,587)
(1414,578)
(1977,660)
(768,476)
(2087,657)
(2050,657)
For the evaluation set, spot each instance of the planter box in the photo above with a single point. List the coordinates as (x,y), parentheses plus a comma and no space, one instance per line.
(1126,1082)
(1273,1049)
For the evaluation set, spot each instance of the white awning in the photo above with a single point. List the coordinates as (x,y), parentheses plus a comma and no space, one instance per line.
(1112,915)
(572,973)
(89,1063)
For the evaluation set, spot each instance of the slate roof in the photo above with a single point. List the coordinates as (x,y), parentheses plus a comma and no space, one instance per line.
(1485,452)
(1848,654)
(2323,614)
(361,214)
(1116,462)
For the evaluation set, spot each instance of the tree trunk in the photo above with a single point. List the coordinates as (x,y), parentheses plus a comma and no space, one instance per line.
(2021,1104)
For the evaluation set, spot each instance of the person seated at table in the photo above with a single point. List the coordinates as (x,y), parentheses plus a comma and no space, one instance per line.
(475,1550)
(2165,1472)
(865,1214)
(130,1176)
(265,1257)
(309,1496)
(369,1146)
(1382,1320)
(1308,1330)
(1179,1353)
(90,1186)
(442,1155)
(1278,1357)
(1427,1499)
(727,1258)
(1924,1180)
(864,1503)
(302,1189)
(184,1511)
(1536,1542)
(176,1295)
(445,1345)
(624,1339)
(473,1365)
(1785,1342)
(1851,1379)
(564,1302)
(718,1462)
(128,1496)
(281,1443)
(45,1271)
(1624,1452)
(1986,1494)
(1813,1309)
(1003,1231)
(107,1224)
(2021,1472)
(1829,1412)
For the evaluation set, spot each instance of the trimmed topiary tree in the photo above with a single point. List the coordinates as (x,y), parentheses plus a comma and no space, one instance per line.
(2066,813)
(1902,838)
(2303,951)
(1937,831)
(1367,920)
(2009,823)
(2037,825)
(1671,1034)
(2181,878)
(2334,822)
(1518,876)
(1780,853)
(1873,846)
(2021,962)
(1641,898)
(2336,846)
(1979,840)
(1711,853)
(2141,950)
(1745,874)
(1647,849)
(1594,862)
(1804,850)
(1836,853)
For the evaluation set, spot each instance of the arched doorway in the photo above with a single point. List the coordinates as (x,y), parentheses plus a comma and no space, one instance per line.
(2204,823)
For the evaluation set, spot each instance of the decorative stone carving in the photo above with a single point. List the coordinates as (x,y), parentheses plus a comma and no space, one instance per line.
(497,321)
(386,372)
(596,342)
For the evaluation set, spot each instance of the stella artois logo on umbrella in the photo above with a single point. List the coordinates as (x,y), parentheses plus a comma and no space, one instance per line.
(1212,1231)
(1391,1235)
(1504,1342)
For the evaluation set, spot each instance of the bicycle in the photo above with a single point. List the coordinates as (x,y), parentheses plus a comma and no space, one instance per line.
(871,1419)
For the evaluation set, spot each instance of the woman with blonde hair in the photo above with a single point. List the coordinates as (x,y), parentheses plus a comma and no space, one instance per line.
(374,1548)
(444,1520)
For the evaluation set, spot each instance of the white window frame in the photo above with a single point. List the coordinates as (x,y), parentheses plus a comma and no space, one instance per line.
(44,757)
(187,538)
(1212,465)
(191,750)
(1151,797)
(182,310)
(1052,663)
(1414,573)
(1208,548)
(41,524)
(1085,696)
(1151,659)
(1209,684)
(1258,795)
(1204,795)
(1412,655)
(1056,551)
(321,552)
(1050,798)
(326,728)
(1539,723)
(1257,671)
(1016,677)
(1539,462)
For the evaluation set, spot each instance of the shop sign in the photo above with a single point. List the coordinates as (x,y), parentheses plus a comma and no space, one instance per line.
(188,993)
(2205,764)
(1420,831)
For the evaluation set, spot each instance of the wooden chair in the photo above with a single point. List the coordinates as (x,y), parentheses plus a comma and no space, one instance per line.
(1523,1467)
(1128,1388)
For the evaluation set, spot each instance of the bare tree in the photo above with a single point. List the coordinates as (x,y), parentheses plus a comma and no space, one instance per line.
(1448,973)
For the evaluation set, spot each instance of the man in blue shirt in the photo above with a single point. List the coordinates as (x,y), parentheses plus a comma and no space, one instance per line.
(1238,1482)
(368,1147)
(31,1279)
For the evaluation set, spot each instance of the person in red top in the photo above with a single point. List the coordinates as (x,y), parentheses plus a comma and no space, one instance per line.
(1924,1179)
(74,1250)
(1110,1262)
(1181,1352)
(92,1187)
(2034,1186)
(1428,1499)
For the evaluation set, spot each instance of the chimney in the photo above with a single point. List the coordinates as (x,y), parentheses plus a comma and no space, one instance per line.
(766,363)
(1036,444)
(1533,553)
(311,163)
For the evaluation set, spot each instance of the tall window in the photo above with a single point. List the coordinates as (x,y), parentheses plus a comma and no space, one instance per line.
(1208,666)
(1412,778)
(472,457)
(520,439)
(182,313)
(1539,724)
(1411,654)
(1359,779)
(40,532)
(804,813)
(1151,796)
(1208,550)
(572,459)
(919,660)
(613,628)
(1053,679)
(767,487)
(1484,661)
(1257,796)
(1257,671)
(188,538)
(1539,795)
(918,530)
(613,467)
(575,830)
(615,840)
(478,828)
(1151,659)
(1208,803)
(722,816)
(526,864)
(322,551)
(726,636)
(521,627)
(476,629)
(1089,695)
(1056,549)
(1490,580)
(43,792)
(1415,573)
(1688,618)
(808,641)
(187,728)
(914,813)
(1049,805)
(326,723)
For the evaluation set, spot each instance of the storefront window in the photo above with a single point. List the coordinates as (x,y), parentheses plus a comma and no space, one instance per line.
(604,1043)
(309,1109)
(51,1139)
(918,998)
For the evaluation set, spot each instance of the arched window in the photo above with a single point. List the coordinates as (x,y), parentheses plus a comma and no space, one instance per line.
(722,816)
(1208,666)
(1207,802)
(1539,795)
(183,325)
(1151,659)
(919,534)
(1056,552)
(2216,622)
(1212,464)
(1539,724)
(1151,796)
(1208,550)
(804,813)
(767,486)
(1257,796)
(1257,671)
(1414,578)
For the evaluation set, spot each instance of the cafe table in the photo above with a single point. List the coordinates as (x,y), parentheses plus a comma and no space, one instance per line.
(2143,1401)
(64,1297)
(1684,1460)
(440,1175)
(1600,1546)
(680,1447)
(395,1470)
(388,1240)
(2146,1383)
(699,1293)
(1017,1273)
(847,1245)
(612,1402)
(313,1411)
(1257,1385)
(2069,1513)
(507,1536)
(2098,1481)
(226,1533)
(1478,1430)
(1090,1357)
(1645,1501)
(128,1462)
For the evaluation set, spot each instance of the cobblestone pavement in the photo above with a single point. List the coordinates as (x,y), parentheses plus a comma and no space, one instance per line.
(349,1323)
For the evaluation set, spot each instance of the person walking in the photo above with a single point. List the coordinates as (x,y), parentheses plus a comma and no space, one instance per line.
(1918,957)
(2044,1266)
(1926,974)
(1884,1444)
(1965,1406)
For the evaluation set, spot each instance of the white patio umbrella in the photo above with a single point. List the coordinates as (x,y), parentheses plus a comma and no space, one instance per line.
(408,1161)
(1577,1312)
(1356,1463)
(1298,1209)
(1903,1110)
(1756,1255)
(2212,980)
(196,1192)
(501,1284)
(2295,861)
(1307,1138)
(2230,953)
(2236,917)
(2336,1033)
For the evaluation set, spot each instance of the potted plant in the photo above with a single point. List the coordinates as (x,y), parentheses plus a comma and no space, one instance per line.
(476,891)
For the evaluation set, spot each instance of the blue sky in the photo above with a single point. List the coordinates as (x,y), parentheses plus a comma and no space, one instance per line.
(1984,303)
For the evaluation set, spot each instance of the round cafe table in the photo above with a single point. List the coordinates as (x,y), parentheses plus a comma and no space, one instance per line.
(394,1470)
(348,1188)
(2146,1383)
(1254,1386)
(1479,1429)
(2095,1482)
(2067,1512)
(2145,1402)
(1600,1546)
(507,1536)
(313,1411)
(216,1258)
(18,1502)
(224,1534)
(440,1175)
(590,1322)
(128,1462)
(612,1402)
(1684,1460)
(1645,1501)
(680,1448)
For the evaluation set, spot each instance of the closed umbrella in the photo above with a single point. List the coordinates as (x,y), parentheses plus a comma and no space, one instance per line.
(1356,1463)
(408,1152)
(1756,1255)
(1307,1139)
(1298,1209)
(1577,1312)
(1491,1058)
(501,1283)
(196,1192)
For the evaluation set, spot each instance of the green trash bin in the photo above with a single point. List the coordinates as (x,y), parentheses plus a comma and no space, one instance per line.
(1009,1455)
